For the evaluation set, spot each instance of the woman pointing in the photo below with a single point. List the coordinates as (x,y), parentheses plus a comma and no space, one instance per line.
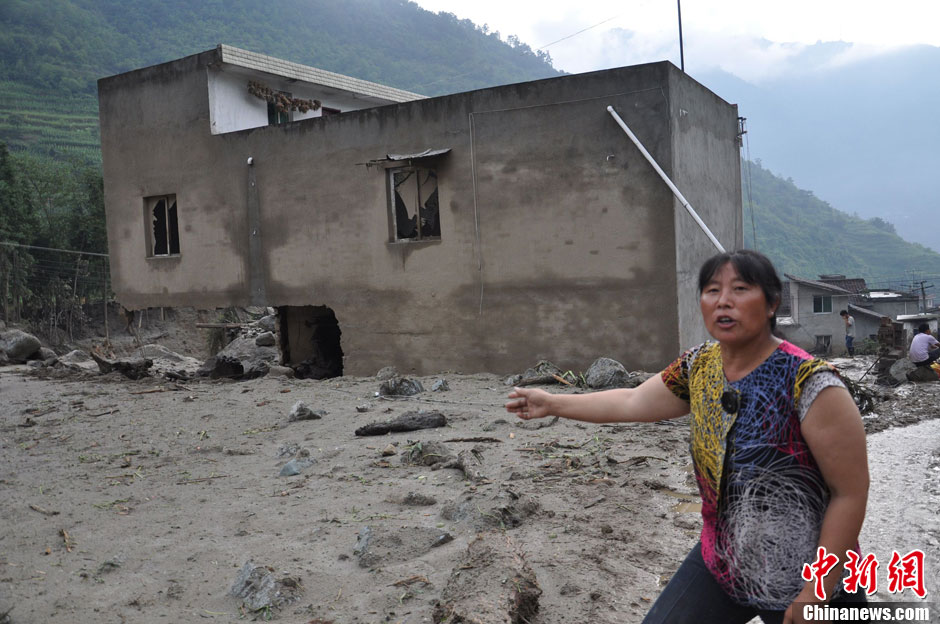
(777,446)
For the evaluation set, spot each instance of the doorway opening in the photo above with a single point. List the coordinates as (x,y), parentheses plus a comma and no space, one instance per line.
(310,341)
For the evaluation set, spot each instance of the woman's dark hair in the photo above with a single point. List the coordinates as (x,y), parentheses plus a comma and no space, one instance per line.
(923,328)
(753,267)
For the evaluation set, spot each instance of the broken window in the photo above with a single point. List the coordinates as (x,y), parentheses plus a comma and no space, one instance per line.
(163,225)
(413,202)
(822,304)
(823,344)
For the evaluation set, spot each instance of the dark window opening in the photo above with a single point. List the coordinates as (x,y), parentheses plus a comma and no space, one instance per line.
(823,344)
(414,203)
(326,111)
(164,226)
(310,341)
(278,113)
(822,304)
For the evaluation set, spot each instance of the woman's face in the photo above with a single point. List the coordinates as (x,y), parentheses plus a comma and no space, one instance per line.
(734,311)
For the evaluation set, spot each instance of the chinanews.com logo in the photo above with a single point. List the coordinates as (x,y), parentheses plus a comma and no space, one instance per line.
(900,612)
(904,573)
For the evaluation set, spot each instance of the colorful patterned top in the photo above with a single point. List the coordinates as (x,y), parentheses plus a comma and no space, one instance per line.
(763,496)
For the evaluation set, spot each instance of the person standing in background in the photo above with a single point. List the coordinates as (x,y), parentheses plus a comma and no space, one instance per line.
(849,332)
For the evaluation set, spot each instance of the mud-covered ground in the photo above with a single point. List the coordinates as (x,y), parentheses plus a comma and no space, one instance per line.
(141,501)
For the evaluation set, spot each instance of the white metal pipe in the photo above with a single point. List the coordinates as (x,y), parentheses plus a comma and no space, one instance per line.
(662,174)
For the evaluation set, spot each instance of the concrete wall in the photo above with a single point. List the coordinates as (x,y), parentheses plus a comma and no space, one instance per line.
(558,240)
(702,123)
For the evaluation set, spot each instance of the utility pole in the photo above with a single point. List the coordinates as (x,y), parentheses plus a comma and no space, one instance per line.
(923,295)
(681,51)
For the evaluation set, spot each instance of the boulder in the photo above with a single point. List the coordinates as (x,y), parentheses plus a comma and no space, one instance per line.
(258,589)
(400,386)
(240,359)
(899,370)
(18,345)
(267,323)
(45,354)
(266,339)
(166,361)
(78,359)
(606,373)
(300,411)
(133,368)
(387,373)
(922,373)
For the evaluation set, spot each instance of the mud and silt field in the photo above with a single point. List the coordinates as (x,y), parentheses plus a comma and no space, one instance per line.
(158,501)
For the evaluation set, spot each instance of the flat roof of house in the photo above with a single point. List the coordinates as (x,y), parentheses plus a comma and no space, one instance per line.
(817,284)
(916,317)
(305,73)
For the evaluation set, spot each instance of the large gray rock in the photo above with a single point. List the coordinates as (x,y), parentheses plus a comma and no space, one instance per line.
(922,373)
(165,360)
(18,345)
(79,360)
(132,368)
(899,370)
(240,359)
(267,323)
(258,589)
(606,373)
(301,411)
(400,386)
(266,339)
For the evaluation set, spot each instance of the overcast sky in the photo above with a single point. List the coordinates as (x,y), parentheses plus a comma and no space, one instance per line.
(752,39)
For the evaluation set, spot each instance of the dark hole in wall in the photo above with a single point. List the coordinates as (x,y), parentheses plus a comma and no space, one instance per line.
(310,341)
(173,229)
(165,227)
(160,247)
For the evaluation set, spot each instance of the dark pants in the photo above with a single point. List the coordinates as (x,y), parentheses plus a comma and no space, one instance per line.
(850,344)
(694,597)
(931,358)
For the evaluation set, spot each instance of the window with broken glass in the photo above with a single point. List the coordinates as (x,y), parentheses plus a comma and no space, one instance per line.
(162,226)
(822,304)
(413,203)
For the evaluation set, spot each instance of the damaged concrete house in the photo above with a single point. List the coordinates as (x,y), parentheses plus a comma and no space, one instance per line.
(479,231)
(809,312)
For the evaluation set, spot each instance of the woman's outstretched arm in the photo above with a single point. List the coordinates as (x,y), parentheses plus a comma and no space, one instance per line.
(648,402)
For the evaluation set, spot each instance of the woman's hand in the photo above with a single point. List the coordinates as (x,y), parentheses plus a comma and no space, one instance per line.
(648,402)
(529,403)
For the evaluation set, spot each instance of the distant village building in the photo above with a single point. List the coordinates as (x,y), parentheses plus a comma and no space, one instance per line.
(809,312)
(477,231)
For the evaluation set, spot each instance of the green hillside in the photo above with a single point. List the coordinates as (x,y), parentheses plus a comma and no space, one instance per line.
(52,52)
(807,237)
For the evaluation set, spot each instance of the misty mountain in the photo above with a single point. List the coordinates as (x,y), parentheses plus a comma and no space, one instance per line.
(863,135)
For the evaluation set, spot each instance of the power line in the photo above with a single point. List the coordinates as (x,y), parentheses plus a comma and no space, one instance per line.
(577,33)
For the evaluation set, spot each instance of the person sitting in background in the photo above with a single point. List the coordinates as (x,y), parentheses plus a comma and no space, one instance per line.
(924,347)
